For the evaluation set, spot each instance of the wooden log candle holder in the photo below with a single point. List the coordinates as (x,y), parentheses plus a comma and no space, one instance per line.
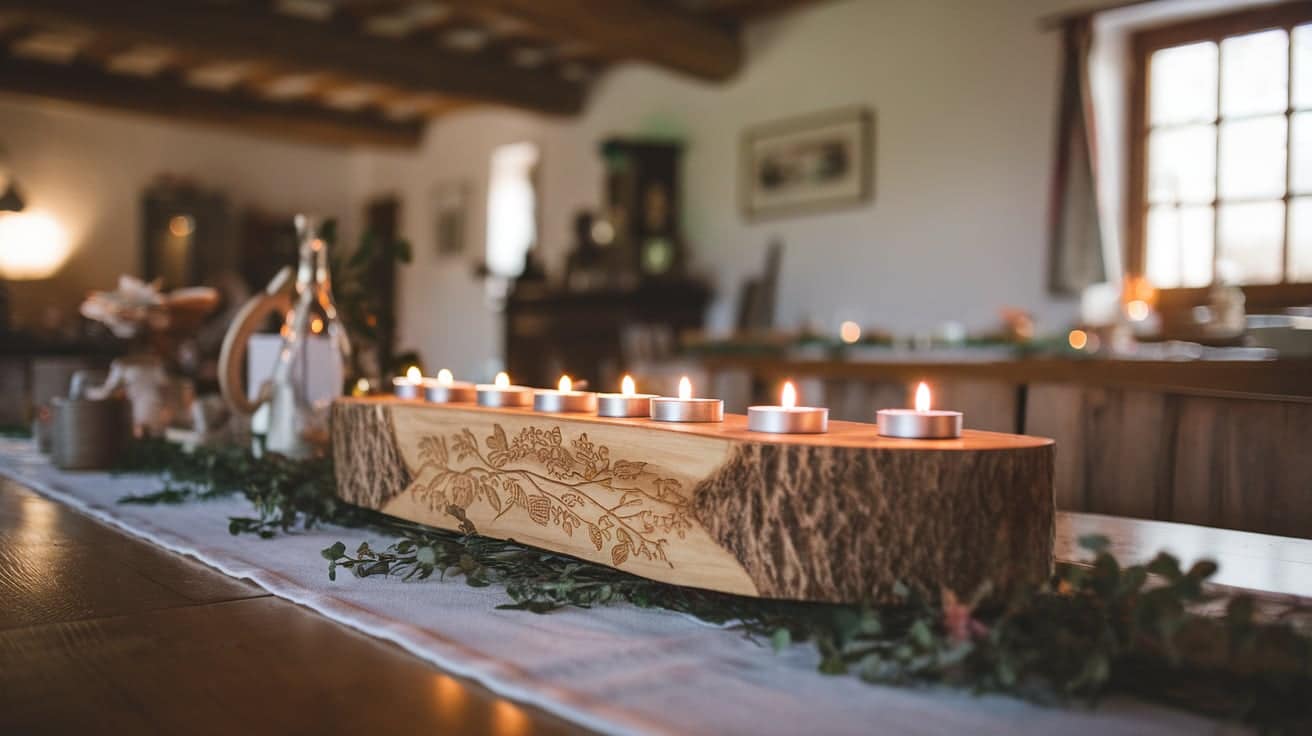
(837,517)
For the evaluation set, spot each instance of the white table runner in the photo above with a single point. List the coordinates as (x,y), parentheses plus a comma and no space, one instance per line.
(614,669)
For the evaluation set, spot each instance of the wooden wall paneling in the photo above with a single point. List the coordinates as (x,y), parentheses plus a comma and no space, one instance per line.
(1113,447)
(1128,448)
(1243,464)
(857,401)
(987,405)
(1056,411)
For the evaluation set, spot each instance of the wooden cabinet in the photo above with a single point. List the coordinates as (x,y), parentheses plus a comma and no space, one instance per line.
(1239,462)
(592,335)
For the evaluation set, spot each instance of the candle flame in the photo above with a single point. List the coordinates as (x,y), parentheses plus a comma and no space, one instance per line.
(502,380)
(788,397)
(413,373)
(685,388)
(445,378)
(565,384)
(626,386)
(922,397)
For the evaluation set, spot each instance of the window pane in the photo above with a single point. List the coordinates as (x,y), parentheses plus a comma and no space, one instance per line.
(511,207)
(1303,66)
(1182,164)
(1179,246)
(1254,73)
(1250,238)
(1300,155)
(1300,240)
(1183,84)
(1253,158)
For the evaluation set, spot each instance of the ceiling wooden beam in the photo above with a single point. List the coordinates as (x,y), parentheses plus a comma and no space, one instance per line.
(242,31)
(636,30)
(172,98)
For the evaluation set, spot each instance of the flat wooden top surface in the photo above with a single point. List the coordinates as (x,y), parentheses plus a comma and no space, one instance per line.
(734,428)
(104,633)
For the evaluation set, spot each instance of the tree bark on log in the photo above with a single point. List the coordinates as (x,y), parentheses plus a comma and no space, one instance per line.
(369,467)
(817,522)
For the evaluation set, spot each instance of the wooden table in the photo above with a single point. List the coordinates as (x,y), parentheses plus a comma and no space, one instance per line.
(102,632)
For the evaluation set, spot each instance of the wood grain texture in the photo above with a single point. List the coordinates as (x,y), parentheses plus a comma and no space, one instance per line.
(56,565)
(110,634)
(835,517)
(1230,462)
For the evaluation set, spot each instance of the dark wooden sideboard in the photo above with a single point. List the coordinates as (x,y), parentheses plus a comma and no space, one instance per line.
(594,335)
(1218,443)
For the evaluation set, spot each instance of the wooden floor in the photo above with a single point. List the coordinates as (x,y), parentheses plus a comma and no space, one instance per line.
(103,633)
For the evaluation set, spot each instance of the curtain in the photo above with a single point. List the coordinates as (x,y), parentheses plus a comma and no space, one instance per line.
(1074,234)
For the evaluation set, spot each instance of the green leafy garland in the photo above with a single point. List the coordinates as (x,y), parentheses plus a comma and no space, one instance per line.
(1091,631)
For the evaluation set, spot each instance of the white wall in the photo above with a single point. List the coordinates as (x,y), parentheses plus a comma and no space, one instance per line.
(88,169)
(964,93)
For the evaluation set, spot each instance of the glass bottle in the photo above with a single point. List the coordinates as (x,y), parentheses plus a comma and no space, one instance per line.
(314,362)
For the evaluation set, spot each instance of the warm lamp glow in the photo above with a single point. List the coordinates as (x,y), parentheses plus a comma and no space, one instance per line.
(1137,310)
(685,388)
(849,332)
(361,387)
(788,397)
(1078,339)
(445,378)
(181,226)
(627,386)
(922,397)
(32,246)
(413,373)
(565,384)
(316,325)
(502,380)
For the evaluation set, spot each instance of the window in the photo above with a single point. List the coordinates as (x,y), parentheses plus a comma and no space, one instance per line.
(511,208)
(1222,153)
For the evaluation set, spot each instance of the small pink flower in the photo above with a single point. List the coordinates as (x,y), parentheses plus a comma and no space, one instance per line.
(957,619)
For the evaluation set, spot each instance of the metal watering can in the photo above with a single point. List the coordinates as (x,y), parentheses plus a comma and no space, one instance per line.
(290,409)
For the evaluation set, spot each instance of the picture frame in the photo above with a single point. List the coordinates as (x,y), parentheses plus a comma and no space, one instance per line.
(807,164)
(451,217)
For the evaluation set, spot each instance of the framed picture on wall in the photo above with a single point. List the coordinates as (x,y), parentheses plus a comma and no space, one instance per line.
(450,207)
(808,164)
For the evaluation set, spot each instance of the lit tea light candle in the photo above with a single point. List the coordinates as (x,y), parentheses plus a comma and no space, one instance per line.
(686,408)
(564,398)
(447,390)
(788,417)
(920,423)
(407,386)
(500,393)
(626,403)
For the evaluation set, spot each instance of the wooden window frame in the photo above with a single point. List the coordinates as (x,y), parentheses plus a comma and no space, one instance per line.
(1212,28)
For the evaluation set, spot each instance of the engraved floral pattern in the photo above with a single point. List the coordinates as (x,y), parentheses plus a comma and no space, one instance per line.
(575,486)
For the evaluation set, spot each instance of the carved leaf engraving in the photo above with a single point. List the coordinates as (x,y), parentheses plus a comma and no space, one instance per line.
(569,485)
